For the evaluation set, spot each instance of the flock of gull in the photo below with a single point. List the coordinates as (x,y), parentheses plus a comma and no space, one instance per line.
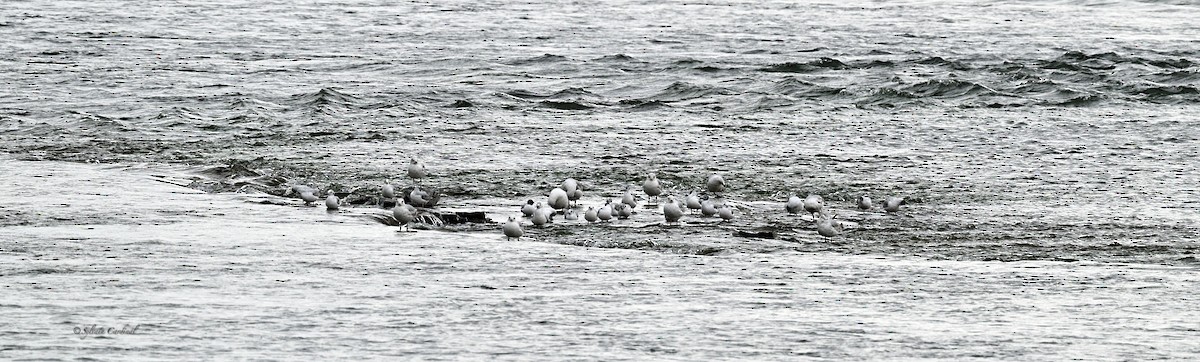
(564,199)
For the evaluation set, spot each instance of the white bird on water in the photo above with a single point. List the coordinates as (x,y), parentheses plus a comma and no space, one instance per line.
(590,215)
(574,192)
(308,198)
(828,227)
(725,212)
(715,183)
(671,210)
(651,187)
(416,170)
(794,205)
(605,212)
(528,208)
(331,202)
(864,202)
(707,208)
(303,189)
(512,229)
(814,204)
(570,185)
(693,202)
(892,203)
(628,198)
(540,217)
(558,199)
(623,211)
(403,215)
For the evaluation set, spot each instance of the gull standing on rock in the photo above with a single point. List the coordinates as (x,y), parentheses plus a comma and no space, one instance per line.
(864,202)
(512,229)
(403,215)
(416,170)
(389,195)
(651,187)
(418,197)
(794,205)
(671,210)
(892,204)
(715,183)
(814,204)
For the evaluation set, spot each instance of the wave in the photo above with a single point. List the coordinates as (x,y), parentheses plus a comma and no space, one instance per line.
(541,59)
(681,91)
(808,67)
(801,88)
(886,97)
(948,88)
(565,105)
(326,97)
(616,58)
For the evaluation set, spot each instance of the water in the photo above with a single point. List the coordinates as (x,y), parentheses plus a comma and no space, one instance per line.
(1046,151)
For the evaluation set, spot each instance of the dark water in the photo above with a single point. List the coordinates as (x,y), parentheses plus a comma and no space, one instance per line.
(1045,149)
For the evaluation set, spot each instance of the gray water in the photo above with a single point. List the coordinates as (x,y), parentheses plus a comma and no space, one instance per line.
(1046,151)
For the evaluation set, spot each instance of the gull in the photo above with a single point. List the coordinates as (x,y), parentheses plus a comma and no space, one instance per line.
(574,192)
(794,205)
(539,217)
(715,183)
(671,210)
(403,215)
(707,208)
(624,211)
(570,185)
(575,196)
(892,203)
(693,202)
(605,212)
(628,198)
(828,227)
(417,197)
(528,208)
(558,199)
(864,202)
(388,191)
(331,202)
(726,212)
(416,170)
(389,195)
(651,187)
(590,215)
(570,214)
(512,229)
(303,189)
(813,204)
(308,198)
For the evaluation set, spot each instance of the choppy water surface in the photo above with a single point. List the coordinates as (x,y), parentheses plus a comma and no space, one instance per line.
(1047,151)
